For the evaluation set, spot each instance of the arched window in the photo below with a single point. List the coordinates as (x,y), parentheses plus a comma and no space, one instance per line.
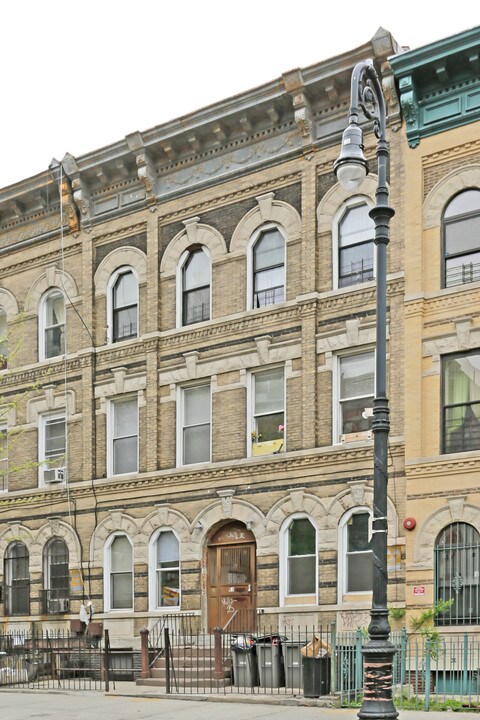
(355,247)
(195,287)
(268,268)
(300,561)
(3,339)
(124,305)
(52,330)
(457,574)
(56,581)
(165,591)
(355,553)
(461,238)
(17,580)
(118,588)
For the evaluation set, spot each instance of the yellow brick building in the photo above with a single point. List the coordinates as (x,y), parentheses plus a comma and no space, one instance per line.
(439,93)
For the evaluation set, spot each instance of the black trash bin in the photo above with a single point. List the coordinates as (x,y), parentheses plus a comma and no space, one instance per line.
(244,661)
(316,676)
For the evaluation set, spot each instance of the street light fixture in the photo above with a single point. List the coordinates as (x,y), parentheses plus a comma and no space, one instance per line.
(351,168)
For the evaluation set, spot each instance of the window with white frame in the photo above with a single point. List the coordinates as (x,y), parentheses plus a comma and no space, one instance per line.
(194,431)
(123,445)
(119,573)
(356,556)
(165,575)
(268,267)
(124,304)
(52,448)
(3,339)
(268,411)
(3,456)
(355,247)
(195,287)
(17,579)
(56,577)
(355,392)
(461,238)
(52,330)
(300,538)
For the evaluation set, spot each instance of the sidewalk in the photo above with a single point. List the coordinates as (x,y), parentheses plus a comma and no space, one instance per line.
(128,702)
(289,708)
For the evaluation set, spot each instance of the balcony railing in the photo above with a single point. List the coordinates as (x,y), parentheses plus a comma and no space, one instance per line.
(270,296)
(462,274)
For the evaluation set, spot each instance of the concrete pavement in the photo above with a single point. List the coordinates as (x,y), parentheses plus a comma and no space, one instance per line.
(125,703)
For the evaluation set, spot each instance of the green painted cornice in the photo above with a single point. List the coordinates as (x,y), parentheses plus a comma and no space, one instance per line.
(439,85)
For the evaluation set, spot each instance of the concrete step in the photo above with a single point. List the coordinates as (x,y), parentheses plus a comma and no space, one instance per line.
(203,685)
(184,672)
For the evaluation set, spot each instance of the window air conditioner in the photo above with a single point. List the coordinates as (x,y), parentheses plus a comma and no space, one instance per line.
(54,475)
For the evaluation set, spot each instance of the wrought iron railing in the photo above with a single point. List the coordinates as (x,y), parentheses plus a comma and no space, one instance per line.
(271,296)
(462,274)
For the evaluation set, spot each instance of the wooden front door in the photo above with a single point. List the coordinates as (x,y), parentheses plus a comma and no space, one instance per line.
(232,579)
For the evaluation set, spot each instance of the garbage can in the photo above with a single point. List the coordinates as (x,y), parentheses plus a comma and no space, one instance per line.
(293,664)
(316,676)
(244,661)
(270,661)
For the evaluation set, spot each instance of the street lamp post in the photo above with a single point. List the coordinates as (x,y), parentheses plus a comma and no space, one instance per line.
(351,168)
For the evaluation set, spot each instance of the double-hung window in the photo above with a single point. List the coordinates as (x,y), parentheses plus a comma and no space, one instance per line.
(355,245)
(268,411)
(301,538)
(124,436)
(3,456)
(17,579)
(125,306)
(461,238)
(356,390)
(196,287)
(195,414)
(3,339)
(52,448)
(461,402)
(167,570)
(119,591)
(56,577)
(268,259)
(53,330)
(359,556)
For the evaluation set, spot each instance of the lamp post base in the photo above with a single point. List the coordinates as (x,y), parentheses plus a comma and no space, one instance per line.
(378,674)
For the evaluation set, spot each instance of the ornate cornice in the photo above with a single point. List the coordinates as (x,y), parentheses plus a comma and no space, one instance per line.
(452,153)
(226,199)
(40,260)
(321,464)
(101,238)
(439,85)
(439,467)
(250,323)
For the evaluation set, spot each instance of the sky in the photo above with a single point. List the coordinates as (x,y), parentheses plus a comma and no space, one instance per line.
(76,76)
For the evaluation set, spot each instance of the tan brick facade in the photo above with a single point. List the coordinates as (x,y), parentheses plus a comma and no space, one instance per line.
(314,476)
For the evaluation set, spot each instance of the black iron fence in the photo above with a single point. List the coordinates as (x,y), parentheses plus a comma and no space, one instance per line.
(52,660)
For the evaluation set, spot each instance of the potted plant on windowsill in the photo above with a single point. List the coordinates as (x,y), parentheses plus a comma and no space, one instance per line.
(272,446)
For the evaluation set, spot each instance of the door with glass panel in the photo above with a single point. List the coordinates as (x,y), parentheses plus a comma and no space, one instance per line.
(232,579)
